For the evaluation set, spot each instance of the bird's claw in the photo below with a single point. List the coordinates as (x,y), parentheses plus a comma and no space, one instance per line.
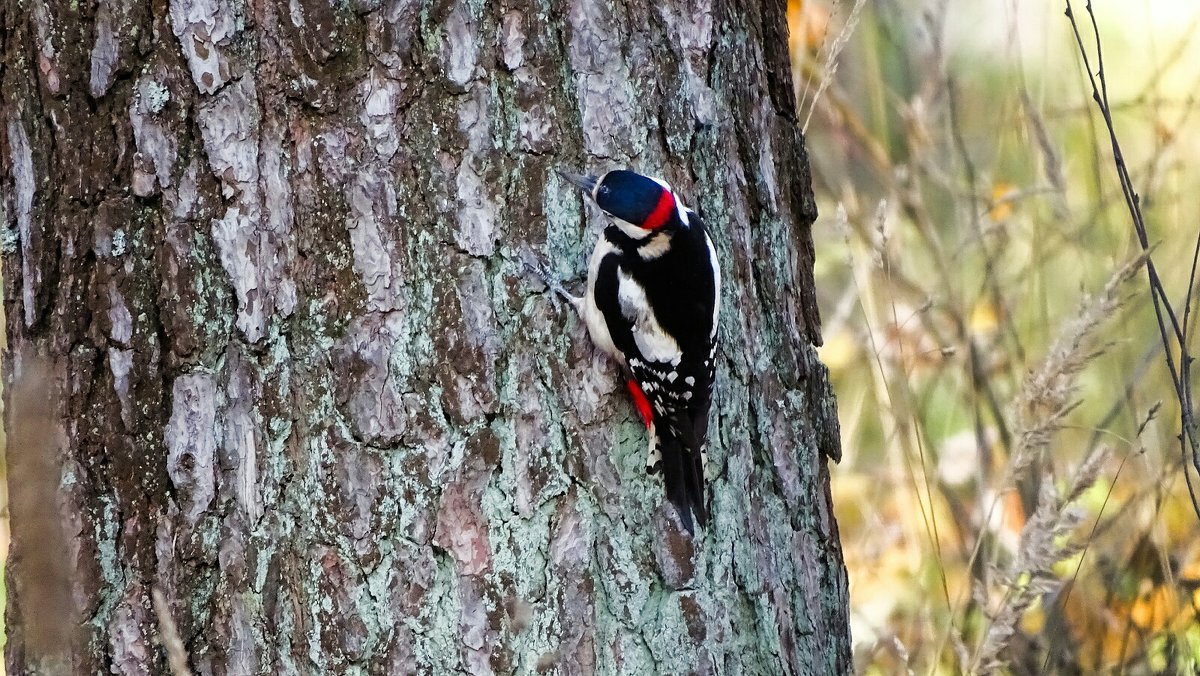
(534,266)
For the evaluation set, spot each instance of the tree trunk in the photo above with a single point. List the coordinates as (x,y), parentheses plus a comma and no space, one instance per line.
(268,259)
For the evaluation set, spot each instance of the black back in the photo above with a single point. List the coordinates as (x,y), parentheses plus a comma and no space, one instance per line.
(676,285)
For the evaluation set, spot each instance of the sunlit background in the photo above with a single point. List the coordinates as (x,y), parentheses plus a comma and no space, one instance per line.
(969,210)
(968,207)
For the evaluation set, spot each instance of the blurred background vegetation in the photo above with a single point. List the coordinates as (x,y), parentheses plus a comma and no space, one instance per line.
(1012,495)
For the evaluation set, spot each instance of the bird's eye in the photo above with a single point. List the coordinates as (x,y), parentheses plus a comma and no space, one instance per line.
(604,190)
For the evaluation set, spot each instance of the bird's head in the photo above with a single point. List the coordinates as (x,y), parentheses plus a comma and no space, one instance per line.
(648,204)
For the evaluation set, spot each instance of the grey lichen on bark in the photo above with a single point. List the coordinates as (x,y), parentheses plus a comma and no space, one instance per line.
(272,254)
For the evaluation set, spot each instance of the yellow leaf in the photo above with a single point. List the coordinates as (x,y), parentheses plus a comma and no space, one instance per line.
(1155,607)
(808,23)
(984,318)
(1034,620)
(1003,195)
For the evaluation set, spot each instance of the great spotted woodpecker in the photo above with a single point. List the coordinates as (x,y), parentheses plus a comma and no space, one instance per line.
(653,296)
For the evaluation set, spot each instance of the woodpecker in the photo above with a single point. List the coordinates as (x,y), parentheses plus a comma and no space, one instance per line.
(652,301)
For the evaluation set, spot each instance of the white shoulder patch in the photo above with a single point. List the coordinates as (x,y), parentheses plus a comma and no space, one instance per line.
(658,245)
(652,341)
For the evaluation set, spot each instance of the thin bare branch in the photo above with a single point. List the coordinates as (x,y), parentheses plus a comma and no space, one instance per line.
(1163,310)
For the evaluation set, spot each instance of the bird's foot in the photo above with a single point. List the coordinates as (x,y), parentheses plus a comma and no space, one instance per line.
(538,269)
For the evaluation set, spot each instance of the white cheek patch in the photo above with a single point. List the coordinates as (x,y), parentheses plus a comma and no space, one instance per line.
(631,231)
(652,341)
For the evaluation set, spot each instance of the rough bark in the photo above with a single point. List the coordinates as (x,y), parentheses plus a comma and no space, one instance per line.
(269,255)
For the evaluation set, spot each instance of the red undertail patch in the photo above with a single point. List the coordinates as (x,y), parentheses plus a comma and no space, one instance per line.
(641,402)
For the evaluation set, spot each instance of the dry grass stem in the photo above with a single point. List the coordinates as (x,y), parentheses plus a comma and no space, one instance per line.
(1045,540)
(168,635)
(1045,398)
(831,62)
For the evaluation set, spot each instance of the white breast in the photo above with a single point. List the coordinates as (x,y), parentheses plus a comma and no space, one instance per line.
(652,341)
(592,317)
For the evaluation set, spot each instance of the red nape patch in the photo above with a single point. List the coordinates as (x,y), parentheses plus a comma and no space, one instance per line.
(658,217)
(641,402)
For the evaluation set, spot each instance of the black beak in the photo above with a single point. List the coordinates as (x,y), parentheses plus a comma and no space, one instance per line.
(585,182)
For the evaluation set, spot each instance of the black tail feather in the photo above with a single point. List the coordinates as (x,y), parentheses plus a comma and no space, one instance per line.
(683,473)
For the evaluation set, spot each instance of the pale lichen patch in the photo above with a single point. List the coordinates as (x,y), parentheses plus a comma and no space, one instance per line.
(157,148)
(119,319)
(477,232)
(462,44)
(191,438)
(9,241)
(104,51)
(200,26)
(118,243)
(157,96)
(23,190)
(120,363)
